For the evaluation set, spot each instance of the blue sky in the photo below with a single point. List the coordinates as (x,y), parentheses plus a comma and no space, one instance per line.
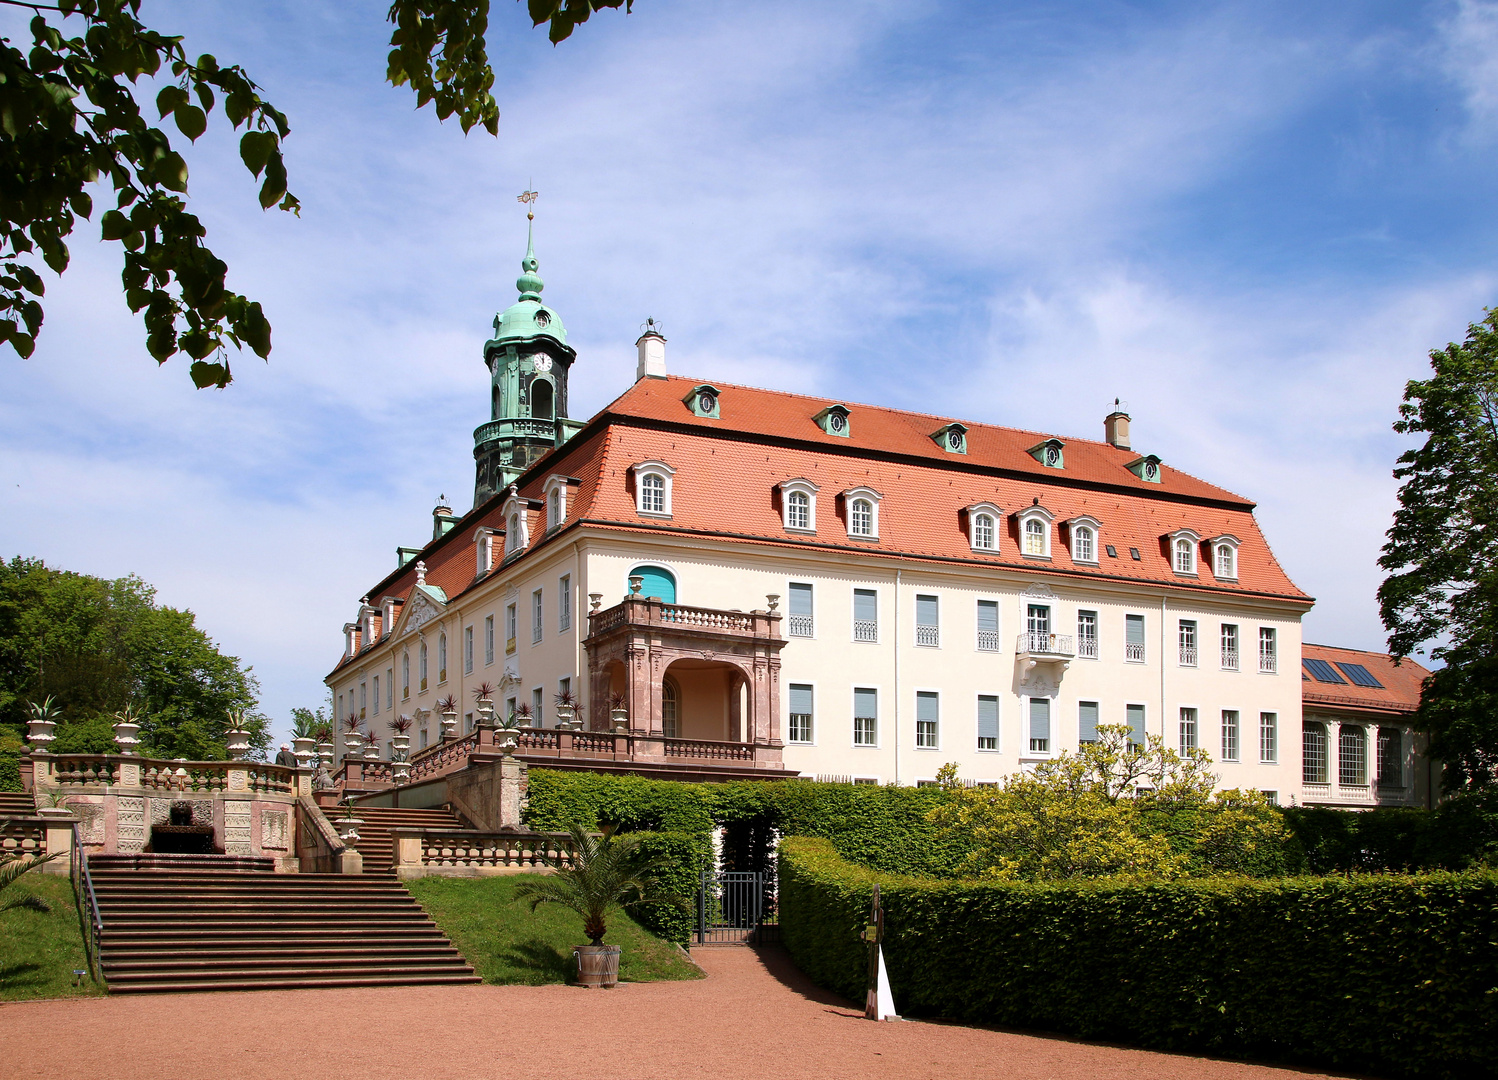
(1250,221)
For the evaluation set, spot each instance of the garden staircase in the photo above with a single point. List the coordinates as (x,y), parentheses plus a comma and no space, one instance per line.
(374,844)
(186,923)
(14,804)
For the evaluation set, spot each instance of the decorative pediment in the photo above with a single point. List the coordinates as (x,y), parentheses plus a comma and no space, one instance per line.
(1040,591)
(420,610)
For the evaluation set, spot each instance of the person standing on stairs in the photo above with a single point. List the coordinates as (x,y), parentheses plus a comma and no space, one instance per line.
(285,757)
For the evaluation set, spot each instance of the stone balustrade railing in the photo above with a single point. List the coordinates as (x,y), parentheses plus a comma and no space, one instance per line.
(443,758)
(645,611)
(461,853)
(152,775)
(23,836)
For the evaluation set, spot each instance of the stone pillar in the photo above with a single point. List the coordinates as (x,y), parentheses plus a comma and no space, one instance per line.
(407,853)
(350,862)
(1334,752)
(59,839)
(514,782)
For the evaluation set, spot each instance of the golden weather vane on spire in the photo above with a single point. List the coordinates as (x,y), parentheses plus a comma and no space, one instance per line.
(529,198)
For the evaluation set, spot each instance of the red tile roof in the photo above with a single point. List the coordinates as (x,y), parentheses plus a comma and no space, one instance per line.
(727,472)
(1399,695)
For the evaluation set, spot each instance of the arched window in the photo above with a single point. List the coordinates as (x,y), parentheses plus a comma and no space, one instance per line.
(658,581)
(405,675)
(862,518)
(421,667)
(653,494)
(512,533)
(1034,537)
(1352,756)
(798,510)
(1313,752)
(442,658)
(862,507)
(541,395)
(553,509)
(983,532)
(1227,561)
(1084,544)
(670,724)
(1185,556)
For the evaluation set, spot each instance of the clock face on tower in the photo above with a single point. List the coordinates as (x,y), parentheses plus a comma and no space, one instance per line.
(541,362)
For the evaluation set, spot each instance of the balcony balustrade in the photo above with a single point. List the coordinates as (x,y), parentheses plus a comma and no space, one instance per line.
(1037,645)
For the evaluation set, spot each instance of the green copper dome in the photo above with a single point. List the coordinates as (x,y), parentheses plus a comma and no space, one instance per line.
(529,318)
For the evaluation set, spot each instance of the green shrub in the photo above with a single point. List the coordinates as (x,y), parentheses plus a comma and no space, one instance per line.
(10,773)
(1459,834)
(1391,974)
(674,918)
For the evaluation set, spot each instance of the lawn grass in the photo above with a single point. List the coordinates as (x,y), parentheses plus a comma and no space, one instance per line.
(506,943)
(39,952)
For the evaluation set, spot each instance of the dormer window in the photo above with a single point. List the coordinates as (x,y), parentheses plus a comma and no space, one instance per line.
(1051,453)
(517,523)
(1224,557)
(798,503)
(1147,468)
(983,526)
(483,543)
(1084,539)
(1183,547)
(1035,531)
(703,401)
(952,438)
(863,512)
(390,607)
(653,488)
(834,420)
(555,492)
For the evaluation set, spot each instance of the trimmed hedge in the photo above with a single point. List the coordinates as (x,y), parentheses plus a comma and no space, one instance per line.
(674,917)
(1460,833)
(1393,974)
(10,773)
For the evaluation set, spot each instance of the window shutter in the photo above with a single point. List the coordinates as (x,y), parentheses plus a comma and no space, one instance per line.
(988,615)
(801,700)
(925,611)
(1134,627)
(865,606)
(1136,724)
(926,706)
(866,704)
(988,718)
(1087,721)
(1040,718)
(800,599)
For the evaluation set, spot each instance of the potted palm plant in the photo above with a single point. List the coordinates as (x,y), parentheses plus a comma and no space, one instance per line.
(448,707)
(600,874)
(324,737)
(371,746)
(566,703)
(127,727)
(353,737)
(619,713)
(483,695)
(400,741)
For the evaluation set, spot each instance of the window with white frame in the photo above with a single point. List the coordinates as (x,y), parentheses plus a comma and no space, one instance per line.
(927,621)
(801,622)
(865,717)
(1183,544)
(1036,540)
(1084,544)
(515,531)
(377,695)
(1229,734)
(405,676)
(538,618)
(1352,756)
(863,513)
(1390,757)
(988,722)
(1040,725)
(1269,738)
(1229,647)
(483,543)
(467,650)
(363,699)
(1225,557)
(927,719)
(653,488)
(538,703)
(389,688)
(670,709)
(442,658)
(1268,651)
(422,667)
(800,714)
(1134,716)
(798,505)
(865,615)
(1086,722)
(556,500)
(1186,634)
(564,603)
(988,625)
(1035,531)
(1188,729)
(1134,639)
(488,639)
(511,628)
(1313,756)
(983,526)
(1087,635)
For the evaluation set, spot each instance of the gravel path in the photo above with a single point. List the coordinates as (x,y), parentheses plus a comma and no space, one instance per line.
(753,1017)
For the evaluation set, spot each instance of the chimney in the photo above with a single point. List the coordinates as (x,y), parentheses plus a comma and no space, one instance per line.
(652,353)
(1116,427)
(442,518)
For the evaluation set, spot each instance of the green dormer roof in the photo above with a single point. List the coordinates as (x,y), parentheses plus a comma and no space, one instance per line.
(529,318)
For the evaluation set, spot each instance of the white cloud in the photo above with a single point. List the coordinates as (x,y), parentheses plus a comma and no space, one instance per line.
(1468,40)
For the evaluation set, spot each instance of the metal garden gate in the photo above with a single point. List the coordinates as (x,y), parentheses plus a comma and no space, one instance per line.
(731,907)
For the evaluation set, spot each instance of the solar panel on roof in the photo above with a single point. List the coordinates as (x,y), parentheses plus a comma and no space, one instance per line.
(1323,671)
(1360,675)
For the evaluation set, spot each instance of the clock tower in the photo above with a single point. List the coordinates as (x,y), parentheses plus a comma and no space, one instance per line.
(528,360)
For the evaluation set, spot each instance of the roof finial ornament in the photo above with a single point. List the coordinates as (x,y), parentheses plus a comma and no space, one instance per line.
(421,572)
(529,282)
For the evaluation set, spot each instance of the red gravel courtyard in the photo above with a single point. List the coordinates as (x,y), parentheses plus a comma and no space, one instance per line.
(753,1018)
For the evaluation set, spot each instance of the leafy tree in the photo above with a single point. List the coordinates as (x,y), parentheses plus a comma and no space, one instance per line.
(97,647)
(70,119)
(306,723)
(1442,553)
(1113,808)
(602,873)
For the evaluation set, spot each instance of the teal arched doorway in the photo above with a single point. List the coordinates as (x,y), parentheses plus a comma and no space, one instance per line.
(658,582)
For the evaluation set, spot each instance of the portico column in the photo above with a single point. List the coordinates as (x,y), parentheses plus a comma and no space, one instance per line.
(1334,752)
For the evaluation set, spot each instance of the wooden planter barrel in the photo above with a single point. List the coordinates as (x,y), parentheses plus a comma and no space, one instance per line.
(597,965)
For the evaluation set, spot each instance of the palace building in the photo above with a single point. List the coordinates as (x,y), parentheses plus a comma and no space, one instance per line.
(743,582)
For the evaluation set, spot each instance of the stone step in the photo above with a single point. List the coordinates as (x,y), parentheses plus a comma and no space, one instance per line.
(301,981)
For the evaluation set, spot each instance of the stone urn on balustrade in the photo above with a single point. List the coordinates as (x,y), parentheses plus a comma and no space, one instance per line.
(325,751)
(304,751)
(125,732)
(449,725)
(619,719)
(40,733)
(400,746)
(371,750)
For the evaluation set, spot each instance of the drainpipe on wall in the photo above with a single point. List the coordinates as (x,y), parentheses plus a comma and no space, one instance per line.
(1164,641)
(897,677)
(583,678)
